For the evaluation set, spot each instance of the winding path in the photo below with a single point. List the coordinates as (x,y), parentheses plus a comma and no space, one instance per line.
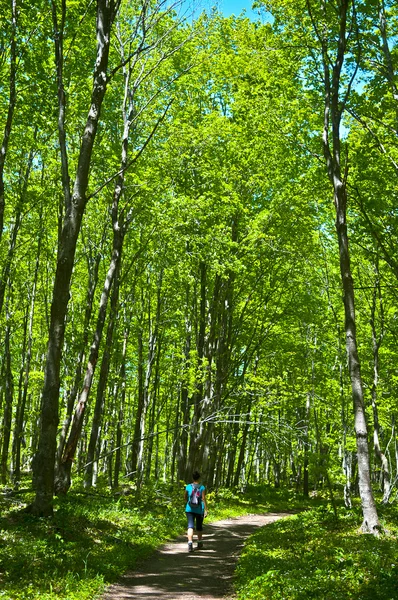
(207,574)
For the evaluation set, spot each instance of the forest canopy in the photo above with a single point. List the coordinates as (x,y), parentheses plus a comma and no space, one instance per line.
(198,222)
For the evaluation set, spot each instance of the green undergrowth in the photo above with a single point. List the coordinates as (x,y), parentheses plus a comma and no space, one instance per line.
(94,537)
(311,555)
(227,503)
(91,540)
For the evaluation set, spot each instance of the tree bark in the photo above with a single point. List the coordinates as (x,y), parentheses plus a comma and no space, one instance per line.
(20,416)
(184,398)
(12,100)
(121,412)
(333,108)
(8,396)
(194,436)
(44,460)
(140,408)
(376,343)
(92,284)
(153,411)
(389,64)
(102,383)
(63,479)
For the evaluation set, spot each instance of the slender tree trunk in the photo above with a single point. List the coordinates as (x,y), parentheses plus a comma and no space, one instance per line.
(376,343)
(306,445)
(154,409)
(233,445)
(394,437)
(176,439)
(15,229)
(20,417)
(122,401)
(2,385)
(242,450)
(333,109)
(194,441)
(184,400)
(140,408)
(102,383)
(20,388)
(9,390)
(371,521)
(92,284)
(389,63)
(146,392)
(12,100)
(44,460)
(63,478)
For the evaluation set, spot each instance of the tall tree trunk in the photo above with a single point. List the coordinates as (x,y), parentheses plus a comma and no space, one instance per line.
(153,410)
(152,343)
(306,490)
(119,427)
(376,343)
(92,284)
(389,63)
(9,390)
(184,399)
(370,517)
(233,445)
(15,229)
(20,416)
(12,100)
(334,105)
(140,407)
(102,382)
(63,477)
(44,460)
(20,388)
(194,437)
(242,450)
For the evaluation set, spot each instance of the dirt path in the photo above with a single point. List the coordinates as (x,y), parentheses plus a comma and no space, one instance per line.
(207,574)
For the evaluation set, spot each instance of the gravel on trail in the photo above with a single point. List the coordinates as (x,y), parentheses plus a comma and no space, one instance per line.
(172,573)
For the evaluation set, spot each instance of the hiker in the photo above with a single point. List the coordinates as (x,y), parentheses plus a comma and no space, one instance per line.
(195,509)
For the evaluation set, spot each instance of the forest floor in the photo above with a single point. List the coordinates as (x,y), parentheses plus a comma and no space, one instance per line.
(172,573)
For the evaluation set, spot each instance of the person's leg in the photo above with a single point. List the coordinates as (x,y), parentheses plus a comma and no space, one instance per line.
(199,530)
(190,531)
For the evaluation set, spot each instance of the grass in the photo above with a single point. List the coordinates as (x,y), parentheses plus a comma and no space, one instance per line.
(310,555)
(90,541)
(94,538)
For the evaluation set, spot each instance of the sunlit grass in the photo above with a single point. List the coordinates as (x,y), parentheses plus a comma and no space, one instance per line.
(95,537)
(90,541)
(310,555)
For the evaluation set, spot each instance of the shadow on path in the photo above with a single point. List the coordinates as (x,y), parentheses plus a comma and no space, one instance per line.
(207,574)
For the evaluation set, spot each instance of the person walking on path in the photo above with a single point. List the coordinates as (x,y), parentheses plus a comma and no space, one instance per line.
(195,509)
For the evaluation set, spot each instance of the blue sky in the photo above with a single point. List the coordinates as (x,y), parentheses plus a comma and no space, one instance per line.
(227,7)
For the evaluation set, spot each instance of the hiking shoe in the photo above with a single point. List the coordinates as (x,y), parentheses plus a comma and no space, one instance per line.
(190,547)
(200,545)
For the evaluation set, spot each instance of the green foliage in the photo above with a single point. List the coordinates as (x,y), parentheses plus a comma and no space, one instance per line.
(310,555)
(92,539)
(95,537)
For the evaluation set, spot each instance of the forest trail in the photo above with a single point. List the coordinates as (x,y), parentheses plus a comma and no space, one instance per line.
(207,574)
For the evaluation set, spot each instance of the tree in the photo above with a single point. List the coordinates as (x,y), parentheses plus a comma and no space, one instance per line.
(332,39)
(74,204)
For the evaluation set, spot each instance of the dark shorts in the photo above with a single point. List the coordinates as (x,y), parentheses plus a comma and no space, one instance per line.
(192,517)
